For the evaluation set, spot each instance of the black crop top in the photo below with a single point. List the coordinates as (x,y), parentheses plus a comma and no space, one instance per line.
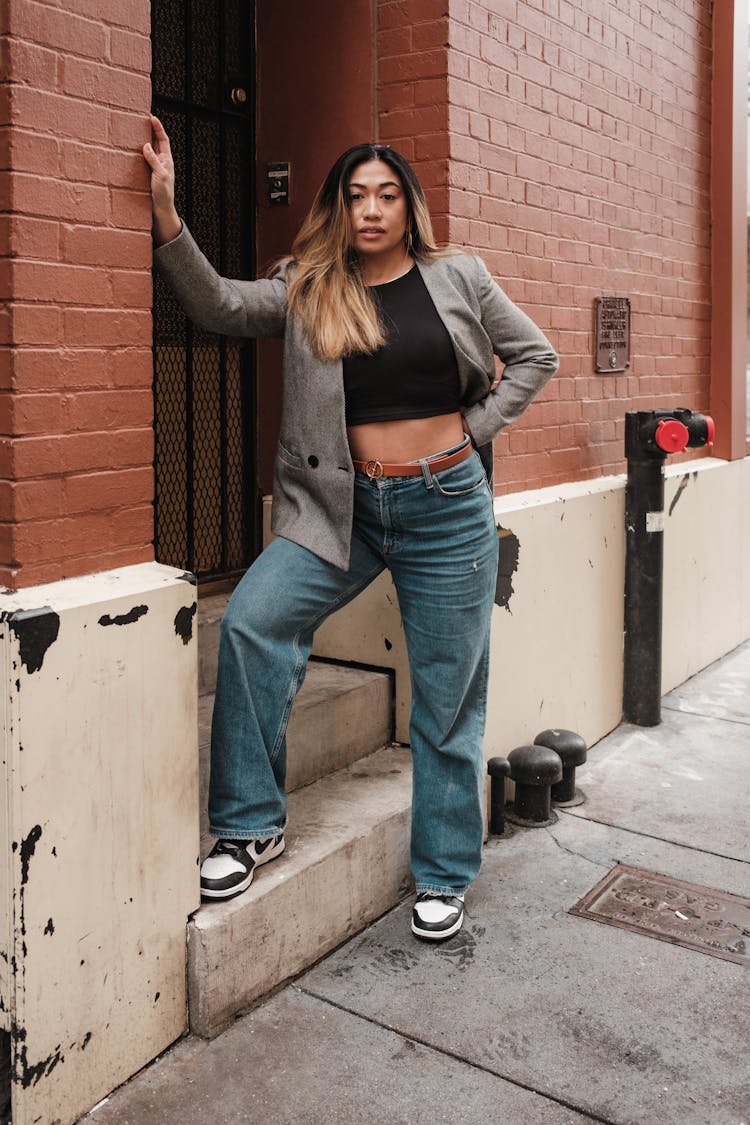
(414,374)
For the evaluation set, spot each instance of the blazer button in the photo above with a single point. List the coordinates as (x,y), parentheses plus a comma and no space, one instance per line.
(312,461)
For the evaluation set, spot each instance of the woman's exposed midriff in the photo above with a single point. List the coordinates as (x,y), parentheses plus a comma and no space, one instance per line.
(407,439)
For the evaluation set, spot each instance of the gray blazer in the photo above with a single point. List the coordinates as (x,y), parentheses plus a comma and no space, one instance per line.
(313,492)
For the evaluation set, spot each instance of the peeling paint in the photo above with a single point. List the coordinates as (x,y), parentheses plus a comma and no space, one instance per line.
(183,622)
(26,1074)
(186,576)
(680,489)
(5,1073)
(28,847)
(507,565)
(125,618)
(36,630)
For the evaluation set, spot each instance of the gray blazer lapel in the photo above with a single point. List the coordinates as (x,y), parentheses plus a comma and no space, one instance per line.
(464,327)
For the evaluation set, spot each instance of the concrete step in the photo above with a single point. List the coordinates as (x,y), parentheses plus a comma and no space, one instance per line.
(346,863)
(341,714)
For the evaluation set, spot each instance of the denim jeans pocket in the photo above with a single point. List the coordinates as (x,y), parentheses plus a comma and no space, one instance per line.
(461,479)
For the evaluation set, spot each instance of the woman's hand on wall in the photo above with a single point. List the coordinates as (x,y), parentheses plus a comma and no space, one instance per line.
(158,156)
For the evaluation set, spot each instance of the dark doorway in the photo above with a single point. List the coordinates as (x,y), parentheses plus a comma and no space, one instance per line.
(204,386)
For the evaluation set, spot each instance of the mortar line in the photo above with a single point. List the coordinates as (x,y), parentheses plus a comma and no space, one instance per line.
(456,1057)
(650,836)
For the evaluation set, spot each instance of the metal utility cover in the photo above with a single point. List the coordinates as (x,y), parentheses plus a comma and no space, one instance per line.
(701,918)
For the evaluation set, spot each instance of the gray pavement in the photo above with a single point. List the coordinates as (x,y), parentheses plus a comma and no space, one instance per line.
(530,1015)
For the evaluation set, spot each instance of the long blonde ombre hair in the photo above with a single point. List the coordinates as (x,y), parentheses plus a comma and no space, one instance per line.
(326,290)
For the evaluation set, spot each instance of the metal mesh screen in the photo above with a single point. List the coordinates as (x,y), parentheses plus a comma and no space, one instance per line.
(206,495)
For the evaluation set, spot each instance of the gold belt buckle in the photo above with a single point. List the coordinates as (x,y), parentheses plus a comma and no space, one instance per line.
(374,469)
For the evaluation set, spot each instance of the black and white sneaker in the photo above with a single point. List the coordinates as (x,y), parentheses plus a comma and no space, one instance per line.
(229,869)
(437,917)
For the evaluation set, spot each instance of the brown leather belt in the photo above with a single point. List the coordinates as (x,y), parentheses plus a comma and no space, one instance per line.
(376,469)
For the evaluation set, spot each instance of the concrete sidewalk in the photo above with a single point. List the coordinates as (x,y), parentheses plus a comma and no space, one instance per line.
(530,1014)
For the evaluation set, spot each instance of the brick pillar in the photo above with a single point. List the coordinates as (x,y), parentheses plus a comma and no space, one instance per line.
(412,94)
(76,440)
(98,755)
(729,197)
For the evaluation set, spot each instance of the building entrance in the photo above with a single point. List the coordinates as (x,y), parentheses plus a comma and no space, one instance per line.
(204,393)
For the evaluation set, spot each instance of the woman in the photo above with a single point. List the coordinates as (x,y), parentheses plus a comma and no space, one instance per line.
(388,390)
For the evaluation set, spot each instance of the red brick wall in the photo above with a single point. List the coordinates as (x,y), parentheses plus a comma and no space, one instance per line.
(577,164)
(412,93)
(566,142)
(76,443)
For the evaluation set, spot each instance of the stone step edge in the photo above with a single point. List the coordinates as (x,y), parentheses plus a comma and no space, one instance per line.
(347,863)
(350,680)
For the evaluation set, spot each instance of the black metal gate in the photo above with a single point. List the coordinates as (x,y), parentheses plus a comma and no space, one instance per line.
(204,385)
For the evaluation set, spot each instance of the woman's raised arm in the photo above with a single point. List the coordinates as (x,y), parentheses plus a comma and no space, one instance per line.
(216,303)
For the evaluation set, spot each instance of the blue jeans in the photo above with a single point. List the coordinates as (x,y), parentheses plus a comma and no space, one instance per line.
(437,536)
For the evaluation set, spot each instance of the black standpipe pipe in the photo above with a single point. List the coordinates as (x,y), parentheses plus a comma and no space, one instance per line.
(649,436)
(644,556)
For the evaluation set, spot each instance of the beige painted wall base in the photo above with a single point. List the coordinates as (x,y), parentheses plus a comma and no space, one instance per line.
(557,639)
(706,565)
(556,656)
(99,824)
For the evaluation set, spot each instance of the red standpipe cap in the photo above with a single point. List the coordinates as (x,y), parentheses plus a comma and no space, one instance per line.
(710,430)
(671,436)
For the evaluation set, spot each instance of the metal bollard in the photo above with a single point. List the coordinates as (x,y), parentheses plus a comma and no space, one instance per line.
(572,750)
(498,769)
(534,769)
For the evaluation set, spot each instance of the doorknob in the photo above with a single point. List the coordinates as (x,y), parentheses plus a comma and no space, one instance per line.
(238,95)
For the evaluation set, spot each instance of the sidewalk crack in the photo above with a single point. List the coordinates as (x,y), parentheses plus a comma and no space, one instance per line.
(703,715)
(446,1052)
(572,851)
(650,836)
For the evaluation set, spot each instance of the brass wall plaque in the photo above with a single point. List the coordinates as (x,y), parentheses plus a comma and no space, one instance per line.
(612,333)
(700,918)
